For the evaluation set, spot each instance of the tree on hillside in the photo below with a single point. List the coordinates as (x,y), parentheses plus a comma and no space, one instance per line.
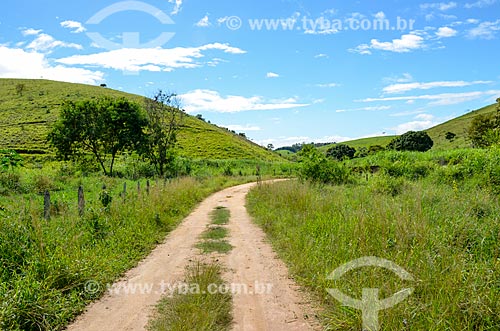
(340,152)
(164,119)
(450,136)
(481,130)
(412,141)
(102,127)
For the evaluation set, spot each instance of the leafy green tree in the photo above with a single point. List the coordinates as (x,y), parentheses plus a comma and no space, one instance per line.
(341,152)
(164,119)
(412,141)
(481,130)
(102,127)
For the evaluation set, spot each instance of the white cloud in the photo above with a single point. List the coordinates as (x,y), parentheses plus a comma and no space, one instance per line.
(380,15)
(18,63)
(177,6)
(208,100)
(156,59)
(321,31)
(204,22)
(446,32)
(46,43)
(442,6)
(328,85)
(30,32)
(321,55)
(375,108)
(480,4)
(442,99)
(485,30)
(401,88)
(413,126)
(407,43)
(76,26)
(425,117)
(242,128)
(272,75)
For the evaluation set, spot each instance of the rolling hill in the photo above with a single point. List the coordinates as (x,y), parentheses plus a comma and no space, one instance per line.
(457,126)
(28,108)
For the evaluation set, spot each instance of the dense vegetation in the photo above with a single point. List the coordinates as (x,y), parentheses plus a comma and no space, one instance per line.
(434,214)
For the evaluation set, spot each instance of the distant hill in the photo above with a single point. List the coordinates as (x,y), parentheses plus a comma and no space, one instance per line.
(458,126)
(28,108)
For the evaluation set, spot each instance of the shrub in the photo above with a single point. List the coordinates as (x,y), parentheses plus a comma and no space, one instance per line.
(412,141)
(341,152)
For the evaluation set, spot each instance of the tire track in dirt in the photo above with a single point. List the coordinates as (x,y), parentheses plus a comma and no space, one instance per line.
(251,260)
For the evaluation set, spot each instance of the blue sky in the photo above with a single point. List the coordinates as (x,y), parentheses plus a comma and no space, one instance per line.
(282,71)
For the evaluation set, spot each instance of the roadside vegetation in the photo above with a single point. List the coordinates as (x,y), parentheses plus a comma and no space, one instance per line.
(435,214)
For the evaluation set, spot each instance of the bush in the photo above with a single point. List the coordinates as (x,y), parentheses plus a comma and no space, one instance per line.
(412,141)
(341,152)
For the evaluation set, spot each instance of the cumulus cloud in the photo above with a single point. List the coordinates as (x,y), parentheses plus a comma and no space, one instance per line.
(156,59)
(19,63)
(209,100)
(401,88)
(272,75)
(177,6)
(407,43)
(30,32)
(46,43)
(204,22)
(77,27)
(446,32)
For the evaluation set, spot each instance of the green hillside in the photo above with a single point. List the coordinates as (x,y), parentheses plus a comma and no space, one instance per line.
(457,126)
(29,107)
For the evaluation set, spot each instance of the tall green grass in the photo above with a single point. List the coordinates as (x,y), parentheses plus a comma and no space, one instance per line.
(434,215)
(45,264)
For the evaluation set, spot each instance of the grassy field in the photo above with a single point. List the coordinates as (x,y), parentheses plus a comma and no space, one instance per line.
(46,264)
(434,214)
(27,117)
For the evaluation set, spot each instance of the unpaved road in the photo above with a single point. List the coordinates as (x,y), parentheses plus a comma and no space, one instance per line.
(275,305)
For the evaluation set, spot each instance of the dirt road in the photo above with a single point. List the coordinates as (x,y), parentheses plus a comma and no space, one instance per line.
(274,305)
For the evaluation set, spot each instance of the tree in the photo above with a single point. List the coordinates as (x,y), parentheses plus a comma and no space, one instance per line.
(270,147)
(340,152)
(480,130)
(450,136)
(412,141)
(102,127)
(164,119)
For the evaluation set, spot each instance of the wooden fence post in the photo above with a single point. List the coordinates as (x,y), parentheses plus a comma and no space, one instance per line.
(46,205)
(147,187)
(81,201)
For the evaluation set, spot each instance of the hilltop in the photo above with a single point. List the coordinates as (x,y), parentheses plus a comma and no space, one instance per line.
(29,107)
(458,126)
